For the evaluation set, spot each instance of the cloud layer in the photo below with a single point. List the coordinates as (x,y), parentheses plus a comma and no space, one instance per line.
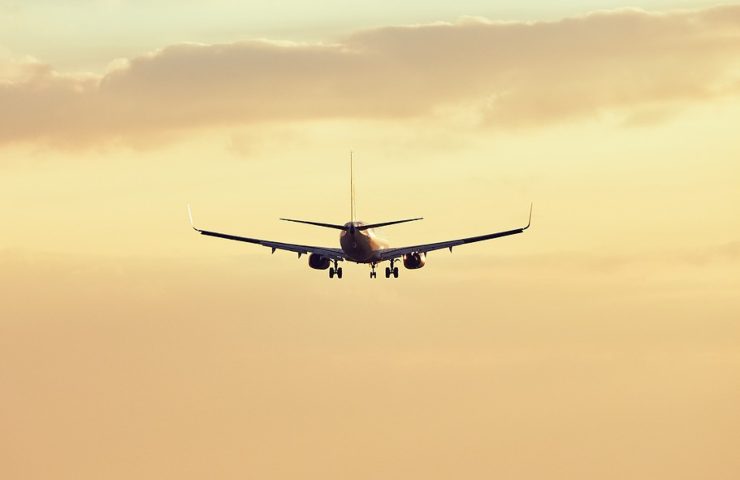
(507,74)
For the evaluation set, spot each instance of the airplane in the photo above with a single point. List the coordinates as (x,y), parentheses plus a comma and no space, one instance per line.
(359,243)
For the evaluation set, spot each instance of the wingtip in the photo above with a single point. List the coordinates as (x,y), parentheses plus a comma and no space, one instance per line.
(190,217)
(529,222)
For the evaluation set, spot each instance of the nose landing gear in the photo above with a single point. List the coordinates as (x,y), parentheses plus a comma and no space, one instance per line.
(389,271)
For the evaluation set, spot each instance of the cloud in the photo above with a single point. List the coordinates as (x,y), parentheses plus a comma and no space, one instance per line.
(513,74)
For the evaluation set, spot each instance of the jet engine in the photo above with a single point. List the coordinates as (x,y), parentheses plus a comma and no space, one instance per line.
(415,260)
(318,262)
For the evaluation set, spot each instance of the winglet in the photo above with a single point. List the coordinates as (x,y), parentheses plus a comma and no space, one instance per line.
(190,216)
(530,216)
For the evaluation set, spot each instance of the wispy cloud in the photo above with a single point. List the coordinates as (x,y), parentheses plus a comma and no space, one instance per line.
(510,74)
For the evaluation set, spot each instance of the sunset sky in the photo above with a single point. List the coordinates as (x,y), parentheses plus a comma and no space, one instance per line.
(604,343)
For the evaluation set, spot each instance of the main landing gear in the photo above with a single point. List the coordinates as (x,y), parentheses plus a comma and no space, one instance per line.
(391,270)
(373,273)
(335,270)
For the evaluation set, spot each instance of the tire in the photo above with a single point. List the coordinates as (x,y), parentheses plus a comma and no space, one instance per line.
(387,272)
(331,273)
(339,272)
(395,272)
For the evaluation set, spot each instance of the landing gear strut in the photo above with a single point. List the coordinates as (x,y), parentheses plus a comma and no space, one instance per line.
(391,270)
(335,270)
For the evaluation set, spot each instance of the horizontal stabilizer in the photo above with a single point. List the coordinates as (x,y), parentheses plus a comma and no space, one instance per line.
(385,224)
(317,224)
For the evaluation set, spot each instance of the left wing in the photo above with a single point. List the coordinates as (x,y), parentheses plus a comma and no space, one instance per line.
(391,253)
(332,253)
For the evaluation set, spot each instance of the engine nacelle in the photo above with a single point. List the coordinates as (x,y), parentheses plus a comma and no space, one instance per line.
(415,260)
(318,262)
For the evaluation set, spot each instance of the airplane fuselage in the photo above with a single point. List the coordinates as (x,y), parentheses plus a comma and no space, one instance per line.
(360,246)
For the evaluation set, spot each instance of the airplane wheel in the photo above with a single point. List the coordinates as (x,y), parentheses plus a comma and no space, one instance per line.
(331,273)
(395,272)
(339,272)
(372,274)
(387,272)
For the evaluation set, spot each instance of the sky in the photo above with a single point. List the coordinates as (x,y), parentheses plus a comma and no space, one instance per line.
(602,343)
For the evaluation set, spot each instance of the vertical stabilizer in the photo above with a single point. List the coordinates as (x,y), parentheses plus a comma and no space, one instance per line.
(351,187)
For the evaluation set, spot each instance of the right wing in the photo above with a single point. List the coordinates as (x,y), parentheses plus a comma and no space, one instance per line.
(332,253)
(392,253)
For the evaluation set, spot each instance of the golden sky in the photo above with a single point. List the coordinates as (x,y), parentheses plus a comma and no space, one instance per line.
(602,343)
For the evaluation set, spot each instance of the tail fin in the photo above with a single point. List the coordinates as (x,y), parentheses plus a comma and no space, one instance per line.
(353,210)
(351,187)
